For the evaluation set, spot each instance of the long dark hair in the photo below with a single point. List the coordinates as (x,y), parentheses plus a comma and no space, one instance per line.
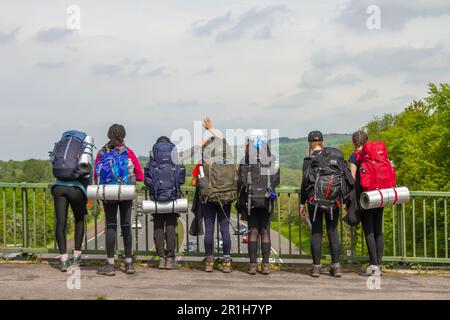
(359,138)
(116,135)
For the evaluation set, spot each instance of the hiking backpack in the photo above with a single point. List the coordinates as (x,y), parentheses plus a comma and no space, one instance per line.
(114,166)
(264,177)
(163,175)
(66,155)
(219,184)
(375,169)
(326,180)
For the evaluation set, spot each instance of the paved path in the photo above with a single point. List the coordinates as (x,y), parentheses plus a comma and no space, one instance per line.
(42,281)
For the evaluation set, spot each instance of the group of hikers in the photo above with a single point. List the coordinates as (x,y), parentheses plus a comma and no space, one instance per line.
(328,183)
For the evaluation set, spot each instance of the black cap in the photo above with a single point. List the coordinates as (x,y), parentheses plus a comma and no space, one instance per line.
(315,136)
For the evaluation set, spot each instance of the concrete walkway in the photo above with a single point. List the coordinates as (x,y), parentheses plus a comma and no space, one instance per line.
(43,281)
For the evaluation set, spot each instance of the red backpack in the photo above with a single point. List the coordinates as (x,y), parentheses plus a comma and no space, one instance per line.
(376,171)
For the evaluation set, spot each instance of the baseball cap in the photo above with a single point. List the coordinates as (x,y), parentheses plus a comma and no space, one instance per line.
(315,136)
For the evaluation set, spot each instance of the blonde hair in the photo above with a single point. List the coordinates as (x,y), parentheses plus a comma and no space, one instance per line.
(314,144)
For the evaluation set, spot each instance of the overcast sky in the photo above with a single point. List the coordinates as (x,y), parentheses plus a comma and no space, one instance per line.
(155,66)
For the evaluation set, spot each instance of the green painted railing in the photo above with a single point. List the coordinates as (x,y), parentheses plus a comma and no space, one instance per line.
(416,232)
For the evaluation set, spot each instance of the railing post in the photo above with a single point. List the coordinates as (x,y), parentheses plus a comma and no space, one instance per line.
(279,225)
(446,227)
(4,218)
(24,217)
(414,225)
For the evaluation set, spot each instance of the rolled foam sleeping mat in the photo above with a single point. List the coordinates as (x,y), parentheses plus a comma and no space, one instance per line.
(384,197)
(86,158)
(111,192)
(179,205)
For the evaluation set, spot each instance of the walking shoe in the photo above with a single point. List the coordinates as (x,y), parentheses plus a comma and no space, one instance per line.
(265,269)
(162,263)
(335,271)
(76,261)
(315,270)
(107,269)
(226,266)
(252,268)
(129,268)
(171,264)
(64,265)
(209,264)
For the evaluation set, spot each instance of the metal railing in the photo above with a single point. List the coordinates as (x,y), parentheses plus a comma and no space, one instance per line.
(416,232)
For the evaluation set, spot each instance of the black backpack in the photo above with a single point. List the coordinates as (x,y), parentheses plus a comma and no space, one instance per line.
(66,155)
(265,176)
(326,180)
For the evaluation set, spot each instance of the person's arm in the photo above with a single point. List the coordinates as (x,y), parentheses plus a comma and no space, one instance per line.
(302,208)
(207,124)
(303,184)
(137,166)
(97,159)
(353,169)
(353,164)
(195,173)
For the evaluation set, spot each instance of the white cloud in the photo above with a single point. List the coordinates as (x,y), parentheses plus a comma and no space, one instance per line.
(157,66)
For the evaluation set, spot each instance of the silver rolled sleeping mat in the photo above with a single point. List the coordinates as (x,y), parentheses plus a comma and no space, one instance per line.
(384,197)
(179,206)
(111,192)
(87,158)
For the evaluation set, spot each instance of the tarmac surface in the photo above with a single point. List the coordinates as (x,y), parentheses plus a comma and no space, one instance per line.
(45,281)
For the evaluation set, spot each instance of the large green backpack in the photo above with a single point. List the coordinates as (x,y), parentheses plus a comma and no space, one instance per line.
(219,184)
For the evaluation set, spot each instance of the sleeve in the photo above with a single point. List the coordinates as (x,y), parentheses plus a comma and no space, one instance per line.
(353,159)
(137,166)
(303,183)
(196,170)
(97,159)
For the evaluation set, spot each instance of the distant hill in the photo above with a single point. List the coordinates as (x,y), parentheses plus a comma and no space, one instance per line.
(292,151)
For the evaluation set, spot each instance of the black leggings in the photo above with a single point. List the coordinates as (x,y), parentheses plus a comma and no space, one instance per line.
(164,229)
(111,226)
(317,232)
(372,222)
(63,197)
(259,231)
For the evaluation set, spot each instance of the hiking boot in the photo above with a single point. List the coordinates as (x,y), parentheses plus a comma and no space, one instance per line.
(64,265)
(129,268)
(252,268)
(107,269)
(315,271)
(265,269)
(76,261)
(162,263)
(171,264)
(335,271)
(226,266)
(209,264)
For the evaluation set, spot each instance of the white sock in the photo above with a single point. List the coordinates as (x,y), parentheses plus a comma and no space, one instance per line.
(76,253)
(111,260)
(64,257)
(128,260)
